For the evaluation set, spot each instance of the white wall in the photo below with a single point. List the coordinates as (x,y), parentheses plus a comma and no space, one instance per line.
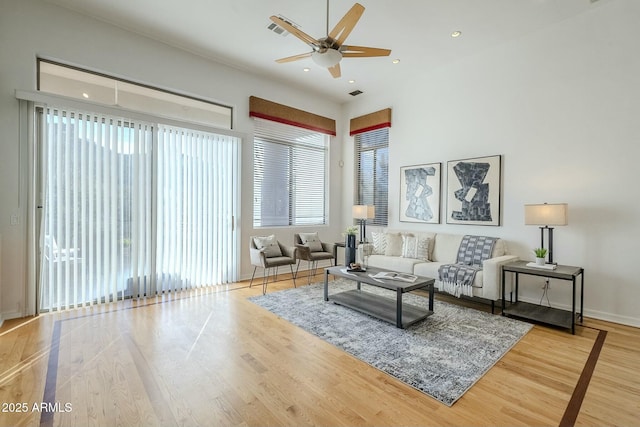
(562,106)
(33,28)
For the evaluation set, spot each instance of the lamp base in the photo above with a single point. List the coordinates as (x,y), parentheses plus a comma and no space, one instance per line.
(550,251)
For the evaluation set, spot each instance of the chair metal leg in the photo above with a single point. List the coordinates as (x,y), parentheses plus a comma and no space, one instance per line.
(294,277)
(265,280)
(297,267)
(266,273)
(254,273)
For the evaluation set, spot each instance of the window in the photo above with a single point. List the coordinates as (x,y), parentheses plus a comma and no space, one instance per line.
(139,189)
(85,85)
(372,168)
(289,175)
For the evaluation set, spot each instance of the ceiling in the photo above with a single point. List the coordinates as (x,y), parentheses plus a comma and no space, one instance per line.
(418,32)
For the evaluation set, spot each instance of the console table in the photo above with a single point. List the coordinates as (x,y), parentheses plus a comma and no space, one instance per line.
(539,313)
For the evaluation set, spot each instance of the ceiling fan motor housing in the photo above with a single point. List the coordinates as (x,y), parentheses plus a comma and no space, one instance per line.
(328,43)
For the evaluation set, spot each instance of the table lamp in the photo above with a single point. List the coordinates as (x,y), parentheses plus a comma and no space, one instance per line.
(362,213)
(544,215)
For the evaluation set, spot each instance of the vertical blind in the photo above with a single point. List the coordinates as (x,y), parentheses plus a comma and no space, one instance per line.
(372,169)
(197,201)
(95,221)
(133,208)
(290,175)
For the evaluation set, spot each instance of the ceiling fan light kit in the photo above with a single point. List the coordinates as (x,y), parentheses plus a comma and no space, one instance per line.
(329,51)
(327,58)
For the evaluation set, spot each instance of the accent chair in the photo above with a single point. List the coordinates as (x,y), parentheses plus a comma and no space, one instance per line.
(266,252)
(312,250)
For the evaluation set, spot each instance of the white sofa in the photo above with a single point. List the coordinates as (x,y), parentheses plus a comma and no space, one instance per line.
(439,249)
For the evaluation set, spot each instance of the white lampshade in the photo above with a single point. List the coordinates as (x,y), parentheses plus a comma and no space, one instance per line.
(327,58)
(546,214)
(364,211)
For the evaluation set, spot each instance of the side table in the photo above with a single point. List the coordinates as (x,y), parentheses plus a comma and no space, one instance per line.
(337,245)
(539,313)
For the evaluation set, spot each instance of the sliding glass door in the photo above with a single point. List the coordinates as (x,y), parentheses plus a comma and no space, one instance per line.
(133,209)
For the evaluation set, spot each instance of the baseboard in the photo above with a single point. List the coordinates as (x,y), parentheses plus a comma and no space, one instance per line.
(8,315)
(614,318)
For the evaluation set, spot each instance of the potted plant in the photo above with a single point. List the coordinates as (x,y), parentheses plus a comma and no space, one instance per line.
(541,253)
(351,231)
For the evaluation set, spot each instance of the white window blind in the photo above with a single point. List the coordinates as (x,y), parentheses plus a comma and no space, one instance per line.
(372,169)
(133,208)
(290,175)
(95,233)
(197,202)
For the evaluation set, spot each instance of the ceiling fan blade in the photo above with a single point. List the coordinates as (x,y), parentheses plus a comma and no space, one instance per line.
(335,70)
(293,30)
(363,51)
(345,25)
(293,58)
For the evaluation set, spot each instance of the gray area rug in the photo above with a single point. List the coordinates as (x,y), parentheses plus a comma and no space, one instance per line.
(442,356)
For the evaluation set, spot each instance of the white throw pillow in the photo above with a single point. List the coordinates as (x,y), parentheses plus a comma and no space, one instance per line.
(379,243)
(416,247)
(270,245)
(312,241)
(394,245)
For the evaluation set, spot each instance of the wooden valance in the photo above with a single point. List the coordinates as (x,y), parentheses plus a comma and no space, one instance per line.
(378,120)
(269,110)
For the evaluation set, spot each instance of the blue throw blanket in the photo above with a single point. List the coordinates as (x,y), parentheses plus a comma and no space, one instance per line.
(457,279)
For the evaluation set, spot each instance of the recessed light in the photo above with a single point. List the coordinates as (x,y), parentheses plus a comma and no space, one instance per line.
(85,94)
(352,81)
(396,61)
(456,34)
(306,69)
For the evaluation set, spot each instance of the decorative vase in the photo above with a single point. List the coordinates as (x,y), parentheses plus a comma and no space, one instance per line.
(350,249)
(540,261)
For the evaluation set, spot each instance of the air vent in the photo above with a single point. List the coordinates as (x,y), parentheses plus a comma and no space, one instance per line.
(355,93)
(279,30)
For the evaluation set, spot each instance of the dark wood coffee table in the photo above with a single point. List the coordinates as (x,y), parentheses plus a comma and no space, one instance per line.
(388,309)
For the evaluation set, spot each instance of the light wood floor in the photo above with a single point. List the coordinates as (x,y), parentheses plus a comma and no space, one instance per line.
(213,358)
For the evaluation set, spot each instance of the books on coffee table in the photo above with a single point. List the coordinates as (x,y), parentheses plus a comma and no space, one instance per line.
(391,275)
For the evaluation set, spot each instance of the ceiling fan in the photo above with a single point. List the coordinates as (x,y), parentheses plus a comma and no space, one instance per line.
(328,51)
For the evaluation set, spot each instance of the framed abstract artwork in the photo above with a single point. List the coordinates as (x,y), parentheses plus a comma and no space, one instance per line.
(420,193)
(474,191)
